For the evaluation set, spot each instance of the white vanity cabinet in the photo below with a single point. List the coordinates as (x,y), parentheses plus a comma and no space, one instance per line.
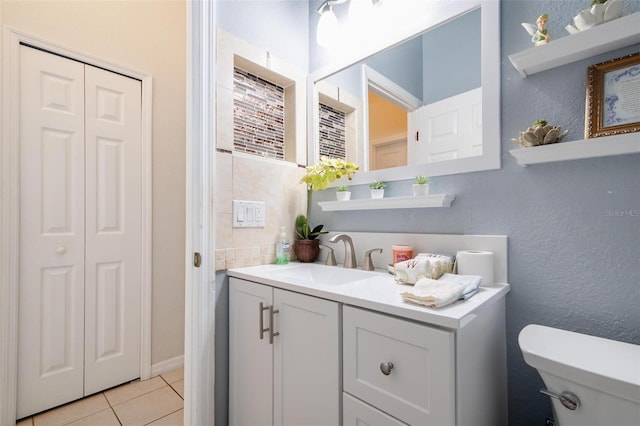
(293,380)
(347,350)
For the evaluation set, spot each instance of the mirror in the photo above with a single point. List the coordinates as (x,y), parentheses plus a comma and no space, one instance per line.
(457,44)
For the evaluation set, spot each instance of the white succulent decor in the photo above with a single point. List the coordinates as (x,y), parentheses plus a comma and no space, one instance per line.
(540,133)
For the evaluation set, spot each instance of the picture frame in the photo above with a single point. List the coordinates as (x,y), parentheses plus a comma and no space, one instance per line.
(613,97)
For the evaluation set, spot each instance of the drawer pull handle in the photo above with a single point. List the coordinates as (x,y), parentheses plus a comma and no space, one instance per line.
(386,367)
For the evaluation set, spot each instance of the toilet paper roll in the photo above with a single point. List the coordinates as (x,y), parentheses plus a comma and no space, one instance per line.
(476,262)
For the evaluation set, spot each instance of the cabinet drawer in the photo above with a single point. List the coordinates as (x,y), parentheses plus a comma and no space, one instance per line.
(419,360)
(357,413)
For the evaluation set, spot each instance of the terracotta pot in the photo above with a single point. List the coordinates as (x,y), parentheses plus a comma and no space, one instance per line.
(307,250)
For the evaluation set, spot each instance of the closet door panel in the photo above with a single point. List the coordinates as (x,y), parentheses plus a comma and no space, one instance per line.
(51,286)
(113,229)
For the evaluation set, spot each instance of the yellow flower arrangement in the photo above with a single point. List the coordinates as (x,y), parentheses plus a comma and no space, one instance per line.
(318,177)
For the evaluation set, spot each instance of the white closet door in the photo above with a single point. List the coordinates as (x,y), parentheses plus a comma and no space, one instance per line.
(113,229)
(51,313)
(80,230)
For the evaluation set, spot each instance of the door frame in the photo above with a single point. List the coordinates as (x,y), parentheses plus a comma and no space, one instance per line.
(10,197)
(200,208)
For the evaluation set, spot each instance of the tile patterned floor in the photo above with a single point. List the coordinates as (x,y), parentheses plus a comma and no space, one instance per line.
(158,401)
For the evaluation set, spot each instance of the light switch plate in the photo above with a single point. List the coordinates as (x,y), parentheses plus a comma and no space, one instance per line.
(248,214)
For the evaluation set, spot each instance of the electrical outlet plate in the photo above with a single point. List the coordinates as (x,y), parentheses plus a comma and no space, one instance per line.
(248,214)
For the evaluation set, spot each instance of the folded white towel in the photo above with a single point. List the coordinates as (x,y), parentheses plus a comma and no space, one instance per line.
(433,293)
(469,282)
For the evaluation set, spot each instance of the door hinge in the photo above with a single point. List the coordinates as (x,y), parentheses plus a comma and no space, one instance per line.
(417,136)
(197,259)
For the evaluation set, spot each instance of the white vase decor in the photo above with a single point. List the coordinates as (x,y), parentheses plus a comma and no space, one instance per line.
(598,13)
(343,195)
(420,189)
(377,193)
(377,189)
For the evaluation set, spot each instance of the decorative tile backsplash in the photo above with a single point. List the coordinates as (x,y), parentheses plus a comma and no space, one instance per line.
(244,256)
(332,129)
(258,115)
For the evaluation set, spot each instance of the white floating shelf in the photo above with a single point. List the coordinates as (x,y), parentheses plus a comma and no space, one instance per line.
(424,201)
(589,148)
(616,34)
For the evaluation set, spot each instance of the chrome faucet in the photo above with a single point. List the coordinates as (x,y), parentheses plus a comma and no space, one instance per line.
(349,252)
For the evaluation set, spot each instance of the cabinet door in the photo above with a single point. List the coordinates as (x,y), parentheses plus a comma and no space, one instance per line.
(306,361)
(357,413)
(401,367)
(250,358)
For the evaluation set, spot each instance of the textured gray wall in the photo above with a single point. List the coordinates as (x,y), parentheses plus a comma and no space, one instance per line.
(573,263)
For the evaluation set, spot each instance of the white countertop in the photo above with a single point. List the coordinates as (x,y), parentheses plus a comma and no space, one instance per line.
(377,291)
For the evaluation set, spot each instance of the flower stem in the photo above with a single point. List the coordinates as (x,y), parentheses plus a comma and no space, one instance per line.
(308,204)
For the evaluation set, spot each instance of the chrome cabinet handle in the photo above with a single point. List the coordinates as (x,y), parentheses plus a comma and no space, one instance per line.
(568,399)
(261,309)
(386,367)
(272,312)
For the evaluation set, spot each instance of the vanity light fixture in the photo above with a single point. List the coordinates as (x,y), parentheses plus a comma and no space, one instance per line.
(328,32)
(328,27)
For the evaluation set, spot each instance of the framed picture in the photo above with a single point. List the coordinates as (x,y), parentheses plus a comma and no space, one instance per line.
(613,97)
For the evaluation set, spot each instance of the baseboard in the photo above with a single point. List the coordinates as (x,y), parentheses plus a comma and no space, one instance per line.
(167,365)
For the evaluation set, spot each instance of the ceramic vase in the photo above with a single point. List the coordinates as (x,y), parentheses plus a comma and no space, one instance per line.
(377,193)
(420,189)
(343,195)
(307,250)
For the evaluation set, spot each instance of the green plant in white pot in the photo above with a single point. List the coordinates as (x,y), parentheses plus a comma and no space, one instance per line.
(377,189)
(421,187)
(343,193)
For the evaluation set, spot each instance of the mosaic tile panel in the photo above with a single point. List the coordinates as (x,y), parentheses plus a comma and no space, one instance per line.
(258,116)
(332,132)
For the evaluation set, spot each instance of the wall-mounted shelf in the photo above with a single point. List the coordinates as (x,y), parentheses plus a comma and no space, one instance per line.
(589,148)
(426,201)
(616,34)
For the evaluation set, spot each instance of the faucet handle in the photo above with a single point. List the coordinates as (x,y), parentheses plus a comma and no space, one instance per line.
(367,265)
(331,258)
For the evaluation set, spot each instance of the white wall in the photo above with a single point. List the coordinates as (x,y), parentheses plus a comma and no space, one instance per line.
(147,36)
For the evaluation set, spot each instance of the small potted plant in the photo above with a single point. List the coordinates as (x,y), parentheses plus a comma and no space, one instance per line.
(343,193)
(377,189)
(421,187)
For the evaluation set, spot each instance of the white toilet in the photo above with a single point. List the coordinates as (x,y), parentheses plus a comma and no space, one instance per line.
(592,381)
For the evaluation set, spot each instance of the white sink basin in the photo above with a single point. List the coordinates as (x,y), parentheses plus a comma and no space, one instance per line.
(315,274)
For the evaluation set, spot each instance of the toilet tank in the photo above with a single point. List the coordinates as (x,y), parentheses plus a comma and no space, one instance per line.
(603,373)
